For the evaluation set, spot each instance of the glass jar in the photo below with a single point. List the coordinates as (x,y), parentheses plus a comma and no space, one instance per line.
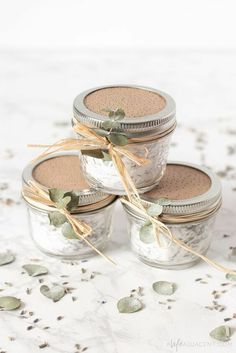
(149,122)
(193,196)
(63,171)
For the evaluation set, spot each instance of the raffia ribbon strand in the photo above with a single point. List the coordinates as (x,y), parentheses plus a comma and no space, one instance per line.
(33,192)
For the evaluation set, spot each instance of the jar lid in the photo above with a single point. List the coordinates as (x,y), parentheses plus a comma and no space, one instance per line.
(62,170)
(190,188)
(146,108)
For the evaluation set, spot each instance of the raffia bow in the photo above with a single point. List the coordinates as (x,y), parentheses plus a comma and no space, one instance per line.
(92,141)
(33,192)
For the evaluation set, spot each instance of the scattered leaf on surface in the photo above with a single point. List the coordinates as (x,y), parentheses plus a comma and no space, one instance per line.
(55,293)
(164,287)
(9,303)
(221,333)
(35,270)
(6,258)
(129,305)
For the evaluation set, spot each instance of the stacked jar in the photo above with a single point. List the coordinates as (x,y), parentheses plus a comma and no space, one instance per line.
(189,196)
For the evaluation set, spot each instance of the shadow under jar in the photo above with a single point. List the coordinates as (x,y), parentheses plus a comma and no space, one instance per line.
(63,171)
(149,122)
(193,196)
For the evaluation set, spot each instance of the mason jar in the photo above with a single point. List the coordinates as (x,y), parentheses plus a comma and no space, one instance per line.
(190,197)
(95,208)
(148,123)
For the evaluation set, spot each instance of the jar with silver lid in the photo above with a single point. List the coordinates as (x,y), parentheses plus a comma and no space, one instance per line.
(148,123)
(63,171)
(190,196)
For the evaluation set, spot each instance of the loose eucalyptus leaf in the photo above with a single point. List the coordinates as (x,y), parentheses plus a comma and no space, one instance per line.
(164,288)
(118,138)
(154,210)
(9,303)
(68,231)
(93,153)
(55,293)
(101,132)
(221,333)
(56,194)
(106,157)
(74,200)
(34,270)
(56,218)
(146,233)
(230,276)
(63,203)
(129,305)
(6,258)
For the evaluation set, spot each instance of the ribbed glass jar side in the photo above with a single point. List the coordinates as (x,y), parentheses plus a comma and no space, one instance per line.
(197,235)
(51,240)
(104,176)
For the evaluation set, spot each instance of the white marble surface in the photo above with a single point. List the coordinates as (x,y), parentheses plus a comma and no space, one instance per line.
(37,89)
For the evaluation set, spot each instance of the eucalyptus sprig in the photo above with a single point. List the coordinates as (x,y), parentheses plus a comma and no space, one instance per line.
(147,231)
(63,199)
(111,131)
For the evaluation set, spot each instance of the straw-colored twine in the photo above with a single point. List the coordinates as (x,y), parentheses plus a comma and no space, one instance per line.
(33,192)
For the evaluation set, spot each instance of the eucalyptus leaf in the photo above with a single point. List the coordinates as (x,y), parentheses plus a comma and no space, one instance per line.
(74,200)
(56,194)
(68,231)
(109,124)
(9,303)
(230,276)
(154,210)
(146,233)
(6,258)
(119,114)
(93,153)
(164,287)
(34,270)
(63,203)
(129,305)
(101,132)
(56,218)
(118,138)
(106,157)
(221,333)
(55,293)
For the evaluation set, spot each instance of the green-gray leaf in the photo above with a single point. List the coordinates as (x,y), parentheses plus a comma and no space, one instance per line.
(34,270)
(68,231)
(93,153)
(221,333)
(154,210)
(55,293)
(231,276)
(57,218)
(56,194)
(129,305)
(109,124)
(118,138)
(9,303)
(74,200)
(119,114)
(146,233)
(6,258)
(106,157)
(63,203)
(101,132)
(164,288)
